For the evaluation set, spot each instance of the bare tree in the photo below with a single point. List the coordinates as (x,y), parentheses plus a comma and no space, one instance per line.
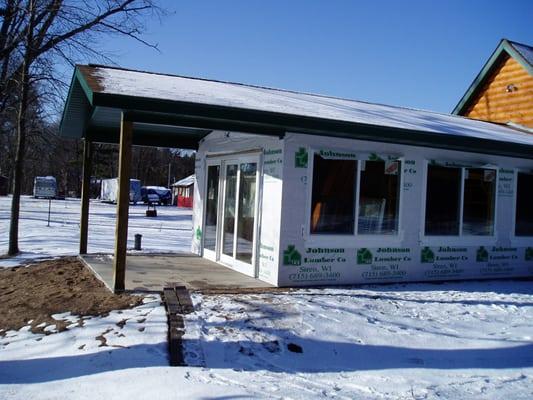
(36,35)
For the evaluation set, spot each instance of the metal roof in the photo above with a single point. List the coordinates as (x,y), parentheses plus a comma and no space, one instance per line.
(188,181)
(177,111)
(524,50)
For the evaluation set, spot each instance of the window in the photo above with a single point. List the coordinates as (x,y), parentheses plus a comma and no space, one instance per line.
(443,197)
(333,196)
(245,222)
(379,197)
(338,206)
(478,214)
(447,198)
(524,205)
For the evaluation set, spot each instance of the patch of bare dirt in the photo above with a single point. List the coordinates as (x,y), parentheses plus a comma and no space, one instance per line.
(36,292)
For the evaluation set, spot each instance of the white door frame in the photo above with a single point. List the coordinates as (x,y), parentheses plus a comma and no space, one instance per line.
(225,258)
(231,261)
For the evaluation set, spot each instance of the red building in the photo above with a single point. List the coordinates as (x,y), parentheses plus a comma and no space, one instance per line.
(183,192)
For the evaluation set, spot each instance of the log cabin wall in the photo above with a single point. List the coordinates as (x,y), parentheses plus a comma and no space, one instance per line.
(506,96)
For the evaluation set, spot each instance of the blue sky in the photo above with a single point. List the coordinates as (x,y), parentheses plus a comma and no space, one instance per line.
(421,54)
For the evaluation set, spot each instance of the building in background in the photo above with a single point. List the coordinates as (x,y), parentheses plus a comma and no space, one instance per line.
(183,192)
(503,91)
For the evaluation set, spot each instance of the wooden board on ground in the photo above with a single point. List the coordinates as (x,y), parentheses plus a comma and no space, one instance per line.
(185,299)
(177,302)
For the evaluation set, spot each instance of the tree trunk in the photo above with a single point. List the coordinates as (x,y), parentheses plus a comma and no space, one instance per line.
(19,162)
(21,136)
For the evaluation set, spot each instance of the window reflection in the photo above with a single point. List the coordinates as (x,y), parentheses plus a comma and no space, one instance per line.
(478,206)
(333,198)
(379,197)
(524,205)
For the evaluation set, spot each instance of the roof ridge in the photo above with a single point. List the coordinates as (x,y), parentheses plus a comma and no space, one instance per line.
(519,43)
(522,50)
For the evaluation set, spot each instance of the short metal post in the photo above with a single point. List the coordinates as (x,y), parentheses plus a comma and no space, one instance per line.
(138,239)
(49,209)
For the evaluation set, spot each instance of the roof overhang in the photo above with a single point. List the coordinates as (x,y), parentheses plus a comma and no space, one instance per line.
(97,117)
(95,114)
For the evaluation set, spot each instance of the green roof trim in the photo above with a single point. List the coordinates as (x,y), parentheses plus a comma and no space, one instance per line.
(77,79)
(77,110)
(84,85)
(505,46)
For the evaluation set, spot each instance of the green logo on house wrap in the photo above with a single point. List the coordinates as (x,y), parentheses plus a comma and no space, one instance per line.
(198,233)
(300,159)
(528,255)
(427,255)
(364,256)
(374,157)
(291,256)
(482,255)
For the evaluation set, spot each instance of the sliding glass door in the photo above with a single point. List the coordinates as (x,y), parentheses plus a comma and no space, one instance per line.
(231,231)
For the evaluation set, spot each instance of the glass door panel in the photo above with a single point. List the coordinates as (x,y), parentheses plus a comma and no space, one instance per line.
(228,235)
(230,222)
(211,208)
(246,212)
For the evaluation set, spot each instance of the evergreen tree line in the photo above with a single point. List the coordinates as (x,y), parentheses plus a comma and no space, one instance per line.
(49,154)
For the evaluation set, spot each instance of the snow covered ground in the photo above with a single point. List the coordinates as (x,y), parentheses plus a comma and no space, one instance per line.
(171,231)
(454,341)
(471,340)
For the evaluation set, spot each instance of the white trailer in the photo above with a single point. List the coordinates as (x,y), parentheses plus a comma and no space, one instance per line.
(109,190)
(44,187)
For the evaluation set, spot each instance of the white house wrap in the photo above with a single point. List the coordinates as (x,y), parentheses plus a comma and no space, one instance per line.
(287,252)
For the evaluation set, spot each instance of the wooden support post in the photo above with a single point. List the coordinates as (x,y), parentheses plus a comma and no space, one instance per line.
(123,203)
(85,190)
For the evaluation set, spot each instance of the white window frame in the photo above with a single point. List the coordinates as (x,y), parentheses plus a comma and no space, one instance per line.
(518,241)
(465,240)
(352,239)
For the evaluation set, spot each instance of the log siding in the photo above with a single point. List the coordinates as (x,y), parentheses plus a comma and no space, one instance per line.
(506,96)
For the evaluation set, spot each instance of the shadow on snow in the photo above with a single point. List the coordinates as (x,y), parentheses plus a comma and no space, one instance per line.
(57,368)
(317,357)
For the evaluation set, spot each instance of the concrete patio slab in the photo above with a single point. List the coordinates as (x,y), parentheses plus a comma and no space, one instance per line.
(154,272)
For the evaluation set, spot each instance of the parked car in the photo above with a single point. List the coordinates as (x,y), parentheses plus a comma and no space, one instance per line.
(156,194)
(149,196)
